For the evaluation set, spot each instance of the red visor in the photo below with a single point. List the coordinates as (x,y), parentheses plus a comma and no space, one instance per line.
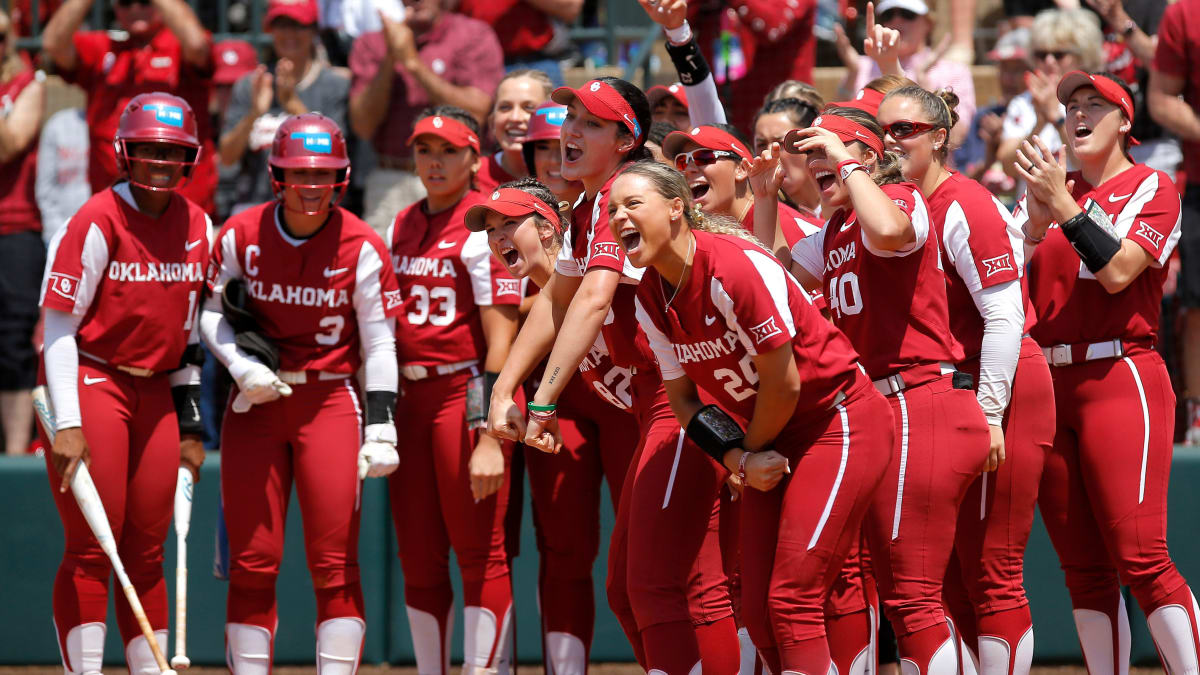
(847,130)
(1104,85)
(603,101)
(658,93)
(867,100)
(446,128)
(705,137)
(510,202)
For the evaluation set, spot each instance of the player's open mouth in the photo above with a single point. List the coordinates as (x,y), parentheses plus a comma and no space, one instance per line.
(515,132)
(825,180)
(1082,131)
(631,239)
(572,152)
(510,254)
(699,189)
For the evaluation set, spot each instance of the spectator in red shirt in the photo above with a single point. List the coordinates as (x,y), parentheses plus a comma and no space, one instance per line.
(1172,74)
(22,254)
(777,43)
(433,57)
(526,30)
(163,48)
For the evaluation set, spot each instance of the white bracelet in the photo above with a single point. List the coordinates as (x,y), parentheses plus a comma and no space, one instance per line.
(681,35)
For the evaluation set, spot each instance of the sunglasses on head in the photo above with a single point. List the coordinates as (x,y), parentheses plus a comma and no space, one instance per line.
(1058,54)
(902,129)
(893,14)
(130,3)
(701,157)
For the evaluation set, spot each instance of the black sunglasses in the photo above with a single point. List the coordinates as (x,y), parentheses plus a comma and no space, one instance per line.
(897,13)
(130,3)
(1058,54)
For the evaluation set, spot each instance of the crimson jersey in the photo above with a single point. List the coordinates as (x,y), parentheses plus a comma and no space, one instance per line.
(308,295)
(135,280)
(738,302)
(589,245)
(1072,307)
(491,174)
(983,246)
(446,273)
(907,322)
(795,226)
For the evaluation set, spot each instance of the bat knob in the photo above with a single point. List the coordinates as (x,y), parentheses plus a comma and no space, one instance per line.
(180,662)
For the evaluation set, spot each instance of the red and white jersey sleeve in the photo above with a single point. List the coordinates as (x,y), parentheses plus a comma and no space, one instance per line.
(737,303)
(1144,207)
(892,305)
(306,294)
(136,281)
(445,274)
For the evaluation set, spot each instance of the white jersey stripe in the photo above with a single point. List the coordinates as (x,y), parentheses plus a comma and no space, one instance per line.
(837,482)
(776,280)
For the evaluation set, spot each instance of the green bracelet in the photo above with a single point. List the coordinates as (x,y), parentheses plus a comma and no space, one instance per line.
(549,407)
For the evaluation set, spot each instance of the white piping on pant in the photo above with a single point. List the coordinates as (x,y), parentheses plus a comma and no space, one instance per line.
(1137,379)
(903,463)
(837,482)
(674,468)
(983,498)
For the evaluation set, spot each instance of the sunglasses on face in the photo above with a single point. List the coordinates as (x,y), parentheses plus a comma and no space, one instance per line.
(893,14)
(902,129)
(130,3)
(700,157)
(1058,54)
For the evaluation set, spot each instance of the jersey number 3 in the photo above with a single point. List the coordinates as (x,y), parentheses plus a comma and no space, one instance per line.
(423,305)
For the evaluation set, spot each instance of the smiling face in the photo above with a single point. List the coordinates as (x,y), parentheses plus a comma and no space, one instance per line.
(547,168)
(834,194)
(518,242)
(444,168)
(1093,124)
(714,186)
(589,143)
(516,100)
(920,150)
(312,198)
(642,220)
(162,176)
(292,40)
(671,111)
(797,183)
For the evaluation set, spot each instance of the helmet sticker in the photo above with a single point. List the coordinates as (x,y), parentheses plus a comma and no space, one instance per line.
(171,115)
(315,141)
(554,116)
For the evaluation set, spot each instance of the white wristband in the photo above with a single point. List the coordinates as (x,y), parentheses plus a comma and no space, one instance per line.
(681,35)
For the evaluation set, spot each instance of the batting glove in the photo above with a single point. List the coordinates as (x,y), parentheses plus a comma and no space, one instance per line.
(258,384)
(378,456)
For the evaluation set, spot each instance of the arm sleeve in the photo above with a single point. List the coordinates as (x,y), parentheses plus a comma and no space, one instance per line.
(215,330)
(752,296)
(1003,321)
(376,302)
(704,105)
(668,365)
(62,366)
(809,253)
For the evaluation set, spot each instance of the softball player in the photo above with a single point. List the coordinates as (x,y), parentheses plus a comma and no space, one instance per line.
(665,579)
(879,264)
(458,318)
(517,98)
(301,297)
(1100,238)
(542,152)
(987,317)
(723,315)
(120,293)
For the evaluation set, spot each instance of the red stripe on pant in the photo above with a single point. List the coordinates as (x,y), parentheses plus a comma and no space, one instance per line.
(795,537)
(666,583)
(598,444)
(1104,497)
(988,597)
(133,436)
(433,511)
(310,438)
(941,442)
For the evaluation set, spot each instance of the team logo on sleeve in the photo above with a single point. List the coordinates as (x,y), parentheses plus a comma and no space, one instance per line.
(606,248)
(315,141)
(1150,234)
(64,284)
(901,203)
(996,265)
(765,330)
(508,287)
(391,300)
(171,115)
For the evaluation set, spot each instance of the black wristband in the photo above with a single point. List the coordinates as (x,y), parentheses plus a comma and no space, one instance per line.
(187,409)
(689,62)
(1092,236)
(715,432)
(193,355)
(380,407)
(489,382)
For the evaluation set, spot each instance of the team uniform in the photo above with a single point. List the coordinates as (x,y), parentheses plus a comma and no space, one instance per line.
(1104,488)
(491,174)
(446,274)
(983,277)
(739,302)
(892,306)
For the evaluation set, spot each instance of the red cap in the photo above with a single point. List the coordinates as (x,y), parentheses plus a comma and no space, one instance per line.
(303,12)
(233,59)
(658,93)
(510,202)
(1104,85)
(603,101)
(705,137)
(448,129)
(867,100)
(846,129)
(546,123)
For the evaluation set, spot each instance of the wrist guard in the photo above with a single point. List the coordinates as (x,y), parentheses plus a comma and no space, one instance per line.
(187,409)
(715,432)
(689,62)
(1093,237)
(479,398)
(380,405)
(193,355)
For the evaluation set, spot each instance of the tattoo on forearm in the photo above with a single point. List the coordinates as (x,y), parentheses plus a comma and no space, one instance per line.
(554,375)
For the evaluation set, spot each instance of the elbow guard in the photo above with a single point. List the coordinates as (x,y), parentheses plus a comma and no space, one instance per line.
(380,407)
(689,62)
(187,409)
(715,432)
(1093,237)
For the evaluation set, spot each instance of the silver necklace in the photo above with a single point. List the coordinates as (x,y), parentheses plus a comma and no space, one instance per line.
(682,272)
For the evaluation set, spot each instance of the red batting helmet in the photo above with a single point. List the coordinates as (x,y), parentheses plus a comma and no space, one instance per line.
(309,141)
(157,117)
